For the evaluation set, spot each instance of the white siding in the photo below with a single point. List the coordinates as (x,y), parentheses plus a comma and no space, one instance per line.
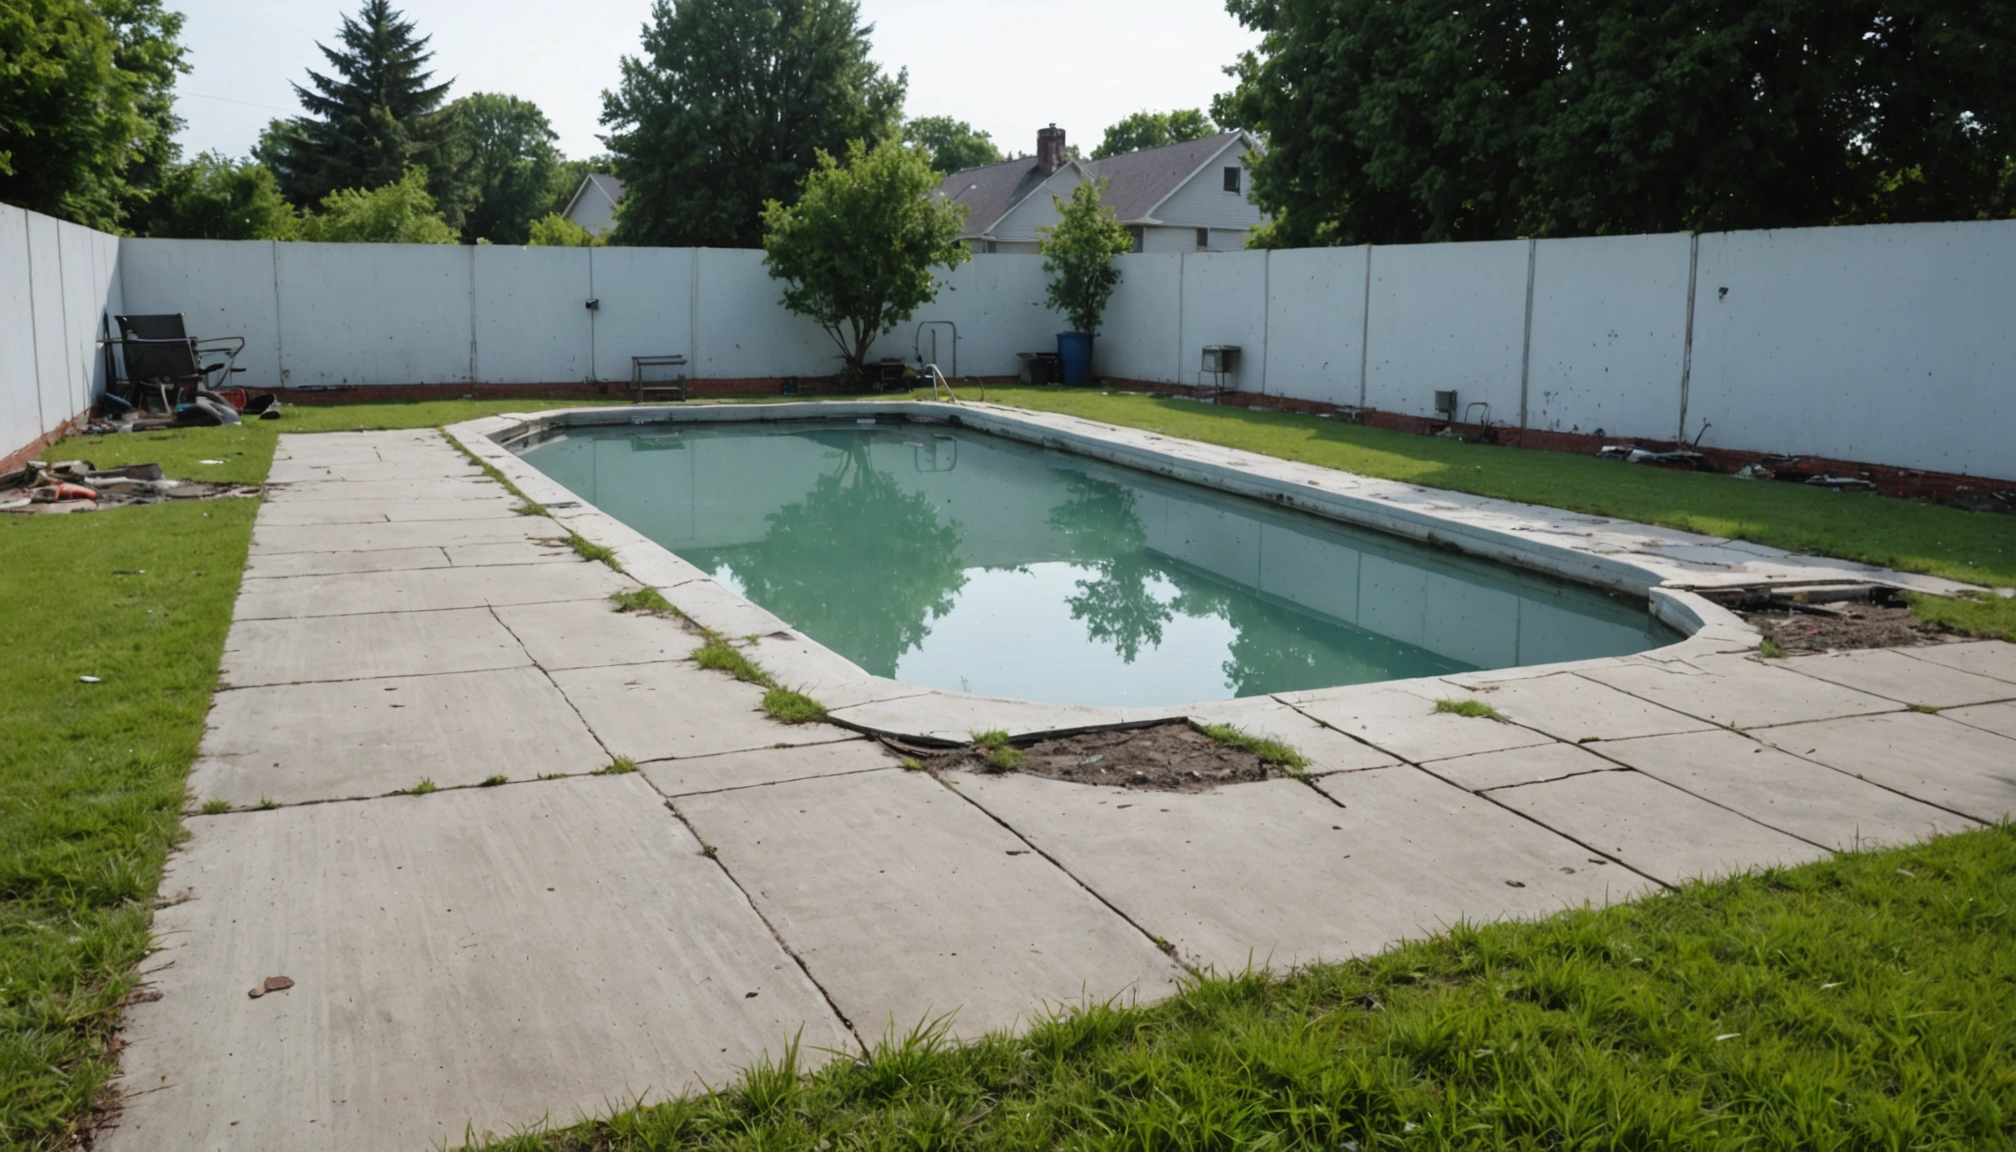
(1202,202)
(1155,239)
(1037,210)
(594,210)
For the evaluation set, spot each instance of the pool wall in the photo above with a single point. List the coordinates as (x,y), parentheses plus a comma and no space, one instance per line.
(1661,565)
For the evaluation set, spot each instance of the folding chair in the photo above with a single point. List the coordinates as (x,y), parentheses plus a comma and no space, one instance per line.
(160,355)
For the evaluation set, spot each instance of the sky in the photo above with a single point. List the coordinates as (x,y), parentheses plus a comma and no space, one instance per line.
(1007,68)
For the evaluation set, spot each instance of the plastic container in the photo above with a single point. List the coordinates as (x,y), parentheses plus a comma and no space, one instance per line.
(1074,350)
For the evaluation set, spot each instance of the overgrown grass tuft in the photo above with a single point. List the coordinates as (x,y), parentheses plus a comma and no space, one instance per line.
(793,707)
(494,781)
(588,550)
(1269,751)
(1474,709)
(994,738)
(1007,758)
(1770,649)
(216,807)
(617,766)
(425,786)
(643,600)
(721,654)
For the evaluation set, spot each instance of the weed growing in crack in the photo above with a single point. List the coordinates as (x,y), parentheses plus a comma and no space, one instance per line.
(1769,649)
(643,600)
(617,767)
(425,786)
(1006,758)
(720,654)
(793,707)
(216,807)
(267,803)
(992,739)
(911,764)
(493,781)
(1474,709)
(1269,751)
(589,550)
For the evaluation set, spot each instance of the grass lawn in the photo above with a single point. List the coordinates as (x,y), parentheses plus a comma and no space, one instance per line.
(1867,1002)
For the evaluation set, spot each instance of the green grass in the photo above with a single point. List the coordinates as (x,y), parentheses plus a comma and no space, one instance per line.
(1863,1002)
(721,654)
(1770,649)
(643,600)
(618,766)
(1269,751)
(494,781)
(1977,547)
(588,551)
(793,707)
(425,786)
(1474,709)
(992,739)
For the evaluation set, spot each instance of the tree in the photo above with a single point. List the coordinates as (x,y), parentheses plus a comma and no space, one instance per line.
(728,108)
(953,145)
(369,122)
(216,198)
(556,231)
(87,121)
(401,212)
(1078,253)
(505,165)
(1153,130)
(1398,122)
(567,178)
(857,249)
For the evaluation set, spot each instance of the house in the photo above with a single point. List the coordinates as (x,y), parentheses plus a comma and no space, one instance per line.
(1190,197)
(594,204)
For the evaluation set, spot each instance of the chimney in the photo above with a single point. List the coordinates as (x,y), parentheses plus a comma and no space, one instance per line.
(1050,149)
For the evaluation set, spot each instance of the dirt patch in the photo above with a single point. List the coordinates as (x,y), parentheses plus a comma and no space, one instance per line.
(1170,757)
(1840,627)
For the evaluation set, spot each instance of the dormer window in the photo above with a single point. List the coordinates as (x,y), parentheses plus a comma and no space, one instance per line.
(1232,179)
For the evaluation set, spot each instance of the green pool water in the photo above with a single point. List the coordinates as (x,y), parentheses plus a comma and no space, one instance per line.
(954,559)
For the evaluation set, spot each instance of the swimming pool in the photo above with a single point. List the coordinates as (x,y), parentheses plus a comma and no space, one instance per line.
(955,559)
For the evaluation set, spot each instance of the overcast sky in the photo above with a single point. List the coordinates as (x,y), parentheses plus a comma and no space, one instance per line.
(1008,68)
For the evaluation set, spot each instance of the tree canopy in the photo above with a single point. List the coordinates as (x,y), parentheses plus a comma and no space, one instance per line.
(401,212)
(728,108)
(857,250)
(373,118)
(953,145)
(1153,130)
(505,165)
(1391,122)
(87,119)
(214,197)
(1078,253)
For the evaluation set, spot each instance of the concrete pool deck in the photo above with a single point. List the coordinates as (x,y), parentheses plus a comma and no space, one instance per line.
(566,942)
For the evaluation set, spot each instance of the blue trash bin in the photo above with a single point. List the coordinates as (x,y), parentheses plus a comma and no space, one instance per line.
(1074,354)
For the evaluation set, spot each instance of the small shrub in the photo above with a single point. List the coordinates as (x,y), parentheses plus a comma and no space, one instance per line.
(216,807)
(1269,751)
(642,600)
(994,739)
(1006,758)
(1475,709)
(792,707)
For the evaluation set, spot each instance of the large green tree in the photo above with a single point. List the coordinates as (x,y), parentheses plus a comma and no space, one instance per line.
(505,165)
(858,249)
(87,119)
(953,145)
(728,107)
(375,116)
(401,212)
(216,198)
(1400,120)
(1154,130)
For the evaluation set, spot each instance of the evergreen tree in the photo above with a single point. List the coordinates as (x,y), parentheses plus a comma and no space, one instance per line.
(370,121)
(729,107)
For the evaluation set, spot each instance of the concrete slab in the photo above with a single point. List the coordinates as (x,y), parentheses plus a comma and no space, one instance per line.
(1808,800)
(1891,674)
(1326,749)
(679,709)
(1277,874)
(387,490)
(823,674)
(312,512)
(905,902)
(275,565)
(1738,690)
(293,743)
(540,551)
(1995,658)
(953,718)
(494,957)
(1930,758)
(1997,718)
(1654,827)
(766,766)
(593,634)
(425,589)
(1488,770)
(1572,708)
(271,539)
(712,606)
(1404,722)
(371,645)
(370,468)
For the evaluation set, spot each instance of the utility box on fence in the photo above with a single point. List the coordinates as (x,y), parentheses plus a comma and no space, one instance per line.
(1220,361)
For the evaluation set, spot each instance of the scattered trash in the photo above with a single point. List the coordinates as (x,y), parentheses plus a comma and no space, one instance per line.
(270,984)
(1837,483)
(1632,454)
(78,486)
(89,680)
(1727,1036)
(209,461)
(1754,472)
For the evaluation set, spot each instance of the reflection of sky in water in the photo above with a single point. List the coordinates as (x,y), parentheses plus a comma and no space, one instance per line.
(957,560)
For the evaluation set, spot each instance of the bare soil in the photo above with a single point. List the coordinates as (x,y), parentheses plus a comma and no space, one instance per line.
(1170,757)
(1840,627)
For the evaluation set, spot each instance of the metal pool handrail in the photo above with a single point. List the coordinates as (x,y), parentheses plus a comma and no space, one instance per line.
(938,381)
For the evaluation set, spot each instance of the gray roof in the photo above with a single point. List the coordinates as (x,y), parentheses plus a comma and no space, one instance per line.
(610,186)
(1137,180)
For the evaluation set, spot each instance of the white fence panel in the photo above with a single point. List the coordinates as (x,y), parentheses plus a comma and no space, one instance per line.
(997,302)
(646,308)
(1316,323)
(85,294)
(20,392)
(744,332)
(1447,316)
(375,314)
(221,287)
(1225,302)
(1609,334)
(1891,343)
(52,345)
(1138,335)
(533,325)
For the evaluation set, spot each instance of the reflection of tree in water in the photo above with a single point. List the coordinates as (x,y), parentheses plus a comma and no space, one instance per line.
(1117,607)
(859,562)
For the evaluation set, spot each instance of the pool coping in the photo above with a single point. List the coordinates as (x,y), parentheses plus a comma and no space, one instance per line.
(1665,566)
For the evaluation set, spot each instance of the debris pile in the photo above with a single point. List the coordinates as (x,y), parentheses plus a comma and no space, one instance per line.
(79,486)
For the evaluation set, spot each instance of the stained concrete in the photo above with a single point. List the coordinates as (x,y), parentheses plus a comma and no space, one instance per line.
(1653,827)
(1278,874)
(375,644)
(494,957)
(907,903)
(592,633)
(725,770)
(1738,690)
(679,709)
(1570,707)
(1944,762)
(1808,800)
(1405,723)
(425,589)
(1893,675)
(1488,770)
(297,742)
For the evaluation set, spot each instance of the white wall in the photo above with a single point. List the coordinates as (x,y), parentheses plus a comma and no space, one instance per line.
(1138,337)
(1224,302)
(1316,323)
(645,298)
(999,307)
(376,313)
(222,288)
(1609,333)
(58,282)
(531,316)
(1447,316)
(744,332)
(20,388)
